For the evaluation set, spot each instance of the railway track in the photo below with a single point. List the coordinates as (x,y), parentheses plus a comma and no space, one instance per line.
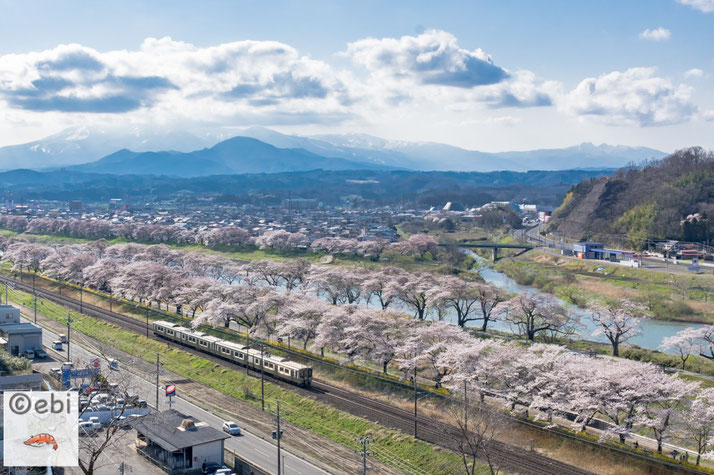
(509,457)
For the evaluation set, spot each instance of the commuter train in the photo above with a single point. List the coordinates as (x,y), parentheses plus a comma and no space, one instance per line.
(276,366)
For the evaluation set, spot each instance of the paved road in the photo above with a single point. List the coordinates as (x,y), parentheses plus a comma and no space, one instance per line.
(648,263)
(249,446)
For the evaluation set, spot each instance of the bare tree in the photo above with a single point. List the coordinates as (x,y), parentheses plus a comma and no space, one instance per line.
(476,430)
(96,443)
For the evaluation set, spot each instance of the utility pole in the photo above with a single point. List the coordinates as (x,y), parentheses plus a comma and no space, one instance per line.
(278,435)
(466,408)
(69,320)
(157,381)
(147,322)
(35,295)
(81,292)
(6,286)
(364,453)
(262,379)
(415,402)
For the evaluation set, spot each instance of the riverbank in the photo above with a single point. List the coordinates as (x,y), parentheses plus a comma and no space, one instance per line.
(666,297)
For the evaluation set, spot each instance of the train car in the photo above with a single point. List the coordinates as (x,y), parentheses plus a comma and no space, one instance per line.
(276,366)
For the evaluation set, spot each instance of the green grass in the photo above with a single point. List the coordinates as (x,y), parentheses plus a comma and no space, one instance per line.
(658,292)
(392,447)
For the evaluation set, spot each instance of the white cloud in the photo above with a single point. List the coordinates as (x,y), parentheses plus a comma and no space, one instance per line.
(656,34)
(706,6)
(433,57)
(260,80)
(708,115)
(694,73)
(633,97)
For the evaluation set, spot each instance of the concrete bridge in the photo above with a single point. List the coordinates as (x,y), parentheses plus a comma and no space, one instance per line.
(495,247)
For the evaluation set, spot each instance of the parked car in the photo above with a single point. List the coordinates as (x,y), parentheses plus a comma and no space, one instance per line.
(40,353)
(29,354)
(89,428)
(231,428)
(63,338)
(57,345)
(224,471)
(210,468)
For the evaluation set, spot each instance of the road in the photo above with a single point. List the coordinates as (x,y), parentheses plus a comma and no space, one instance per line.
(656,264)
(251,447)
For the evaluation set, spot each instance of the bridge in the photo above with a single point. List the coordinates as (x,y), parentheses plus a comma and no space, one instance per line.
(494,247)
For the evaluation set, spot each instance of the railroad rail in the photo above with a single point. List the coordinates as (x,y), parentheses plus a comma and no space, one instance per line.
(511,458)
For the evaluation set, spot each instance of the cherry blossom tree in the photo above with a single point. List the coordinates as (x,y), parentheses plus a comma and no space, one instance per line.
(300,318)
(706,349)
(684,342)
(666,397)
(534,313)
(424,345)
(617,324)
(281,239)
(338,285)
(418,244)
(376,284)
(331,329)
(697,421)
(457,294)
(373,336)
(412,290)
(491,300)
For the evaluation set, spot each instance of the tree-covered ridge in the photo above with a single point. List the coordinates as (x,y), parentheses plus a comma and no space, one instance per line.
(671,198)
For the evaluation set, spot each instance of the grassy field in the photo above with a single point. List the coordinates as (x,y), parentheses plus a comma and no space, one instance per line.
(665,296)
(303,412)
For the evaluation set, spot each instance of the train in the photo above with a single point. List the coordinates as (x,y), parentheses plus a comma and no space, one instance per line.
(276,366)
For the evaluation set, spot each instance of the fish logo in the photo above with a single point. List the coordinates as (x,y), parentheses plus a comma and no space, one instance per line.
(40,440)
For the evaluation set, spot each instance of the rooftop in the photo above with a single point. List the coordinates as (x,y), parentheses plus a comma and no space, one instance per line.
(164,429)
(20,328)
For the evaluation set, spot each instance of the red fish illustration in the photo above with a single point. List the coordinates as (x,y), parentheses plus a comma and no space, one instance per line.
(41,440)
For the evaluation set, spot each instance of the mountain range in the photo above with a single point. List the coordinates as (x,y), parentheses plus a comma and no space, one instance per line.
(259,150)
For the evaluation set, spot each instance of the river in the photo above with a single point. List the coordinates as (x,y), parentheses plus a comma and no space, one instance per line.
(653,331)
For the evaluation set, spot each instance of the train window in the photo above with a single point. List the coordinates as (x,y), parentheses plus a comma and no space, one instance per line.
(202,343)
(191,339)
(159,329)
(170,332)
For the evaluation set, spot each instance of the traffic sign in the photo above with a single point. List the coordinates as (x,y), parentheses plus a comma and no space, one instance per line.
(170,390)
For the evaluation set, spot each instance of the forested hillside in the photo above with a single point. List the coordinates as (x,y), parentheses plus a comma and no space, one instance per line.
(671,198)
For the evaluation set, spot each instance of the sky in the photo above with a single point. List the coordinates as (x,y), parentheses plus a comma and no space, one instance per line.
(483,75)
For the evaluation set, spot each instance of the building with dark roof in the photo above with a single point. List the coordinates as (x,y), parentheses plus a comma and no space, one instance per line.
(178,443)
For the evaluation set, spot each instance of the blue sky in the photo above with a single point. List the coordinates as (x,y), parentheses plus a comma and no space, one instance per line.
(487,75)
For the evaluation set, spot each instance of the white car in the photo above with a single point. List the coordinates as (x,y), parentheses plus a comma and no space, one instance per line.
(88,428)
(29,354)
(231,428)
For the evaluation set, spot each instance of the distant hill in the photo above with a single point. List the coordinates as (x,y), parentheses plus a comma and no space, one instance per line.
(76,145)
(86,144)
(238,155)
(436,156)
(652,202)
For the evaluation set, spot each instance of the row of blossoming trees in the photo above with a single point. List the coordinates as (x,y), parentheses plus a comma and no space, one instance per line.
(418,244)
(384,317)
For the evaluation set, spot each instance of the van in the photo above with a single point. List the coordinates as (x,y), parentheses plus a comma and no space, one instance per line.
(57,345)
(29,354)
(63,338)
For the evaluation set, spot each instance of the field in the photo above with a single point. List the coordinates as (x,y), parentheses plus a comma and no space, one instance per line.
(664,296)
